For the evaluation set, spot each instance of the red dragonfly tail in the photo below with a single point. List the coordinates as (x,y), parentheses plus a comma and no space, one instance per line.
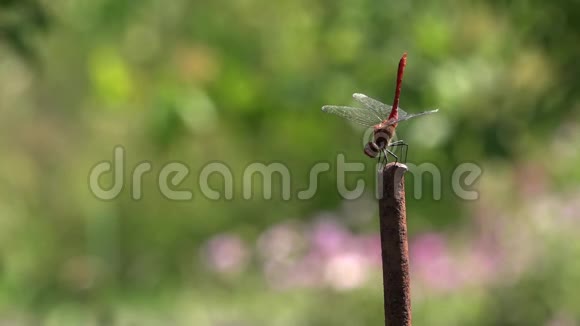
(394,111)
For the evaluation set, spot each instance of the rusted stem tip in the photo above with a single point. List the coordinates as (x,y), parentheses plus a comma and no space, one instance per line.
(396,166)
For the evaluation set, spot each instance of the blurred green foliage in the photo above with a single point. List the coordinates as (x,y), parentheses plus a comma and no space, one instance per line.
(243,81)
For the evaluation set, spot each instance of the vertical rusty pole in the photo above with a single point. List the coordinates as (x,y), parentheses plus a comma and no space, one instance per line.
(394,246)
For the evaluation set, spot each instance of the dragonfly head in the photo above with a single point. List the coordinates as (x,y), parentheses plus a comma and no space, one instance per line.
(371,150)
(382,136)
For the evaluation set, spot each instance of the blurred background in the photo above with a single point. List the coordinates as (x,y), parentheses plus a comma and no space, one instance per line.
(243,81)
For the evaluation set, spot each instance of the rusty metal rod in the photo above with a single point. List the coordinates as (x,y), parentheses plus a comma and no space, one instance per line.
(394,246)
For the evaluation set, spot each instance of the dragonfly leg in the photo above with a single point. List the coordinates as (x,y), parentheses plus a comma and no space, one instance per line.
(383,159)
(404,145)
(385,156)
(393,154)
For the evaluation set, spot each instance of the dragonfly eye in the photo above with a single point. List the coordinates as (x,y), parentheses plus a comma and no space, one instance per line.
(371,150)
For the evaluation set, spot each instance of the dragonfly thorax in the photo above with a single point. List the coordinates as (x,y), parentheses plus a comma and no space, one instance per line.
(383,135)
(381,138)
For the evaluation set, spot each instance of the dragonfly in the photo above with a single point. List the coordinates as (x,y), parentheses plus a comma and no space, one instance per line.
(381,117)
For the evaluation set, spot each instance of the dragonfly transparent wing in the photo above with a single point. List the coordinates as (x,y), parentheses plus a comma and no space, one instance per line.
(362,116)
(382,109)
(374,112)
(407,116)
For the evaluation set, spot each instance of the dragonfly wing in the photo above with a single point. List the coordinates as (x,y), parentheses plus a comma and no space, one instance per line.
(408,116)
(403,114)
(361,116)
(381,109)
